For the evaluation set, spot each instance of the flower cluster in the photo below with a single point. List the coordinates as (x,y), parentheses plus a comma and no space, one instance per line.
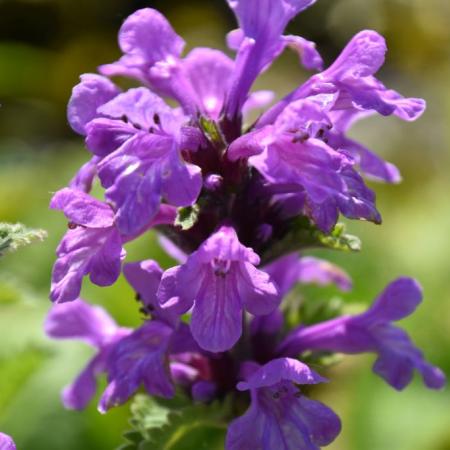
(234,203)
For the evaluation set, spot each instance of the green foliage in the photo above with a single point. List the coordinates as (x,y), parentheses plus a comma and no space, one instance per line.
(14,236)
(175,425)
(303,235)
(187,217)
(212,131)
(336,240)
(14,373)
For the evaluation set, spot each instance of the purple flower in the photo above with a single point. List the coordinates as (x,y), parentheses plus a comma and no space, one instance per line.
(6,442)
(152,54)
(84,178)
(140,139)
(259,40)
(91,246)
(351,77)
(293,159)
(291,269)
(142,358)
(370,164)
(92,325)
(373,331)
(203,391)
(87,96)
(219,280)
(280,417)
(144,277)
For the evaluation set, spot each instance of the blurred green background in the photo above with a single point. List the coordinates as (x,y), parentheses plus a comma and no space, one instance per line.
(45,45)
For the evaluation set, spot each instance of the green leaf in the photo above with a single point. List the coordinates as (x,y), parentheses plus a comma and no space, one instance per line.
(196,427)
(187,217)
(176,424)
(338,239)
(303,234)
(14,236)
(148,414)
(15,372)
(316,311)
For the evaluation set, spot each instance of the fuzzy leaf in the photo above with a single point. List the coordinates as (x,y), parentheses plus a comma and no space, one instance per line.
(176,425)
(14,236)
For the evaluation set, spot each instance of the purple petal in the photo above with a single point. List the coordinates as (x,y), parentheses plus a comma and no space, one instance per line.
(281,369)
(131,176)
(104,135)
(284,272)
(311,165)
(105,265)
(408,109)
(224,245)
(209,72)
(322,423)
(257,100)
(399,299)
(252,14)
(370,164)
(204,391)
(217,315)
(6,442)
(136,196)
(144,278)
(78,394)
(84,178)
(249,144)
(260,43)
(279,417)
(138,106)
(398,357)
(174,296)
(172,250)
(82,209)
(269,324)
(181,182)
(309,56)
(260,295)
(83,251)
(79,320)
(291,269)
(87,96)
(139,358)
(315,270)
(146,38)
(363,56)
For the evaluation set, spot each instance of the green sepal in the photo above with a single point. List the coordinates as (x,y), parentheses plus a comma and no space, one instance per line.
(302,234)
(212,131)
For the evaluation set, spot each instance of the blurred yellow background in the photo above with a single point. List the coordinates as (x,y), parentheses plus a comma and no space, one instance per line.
(46,44)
